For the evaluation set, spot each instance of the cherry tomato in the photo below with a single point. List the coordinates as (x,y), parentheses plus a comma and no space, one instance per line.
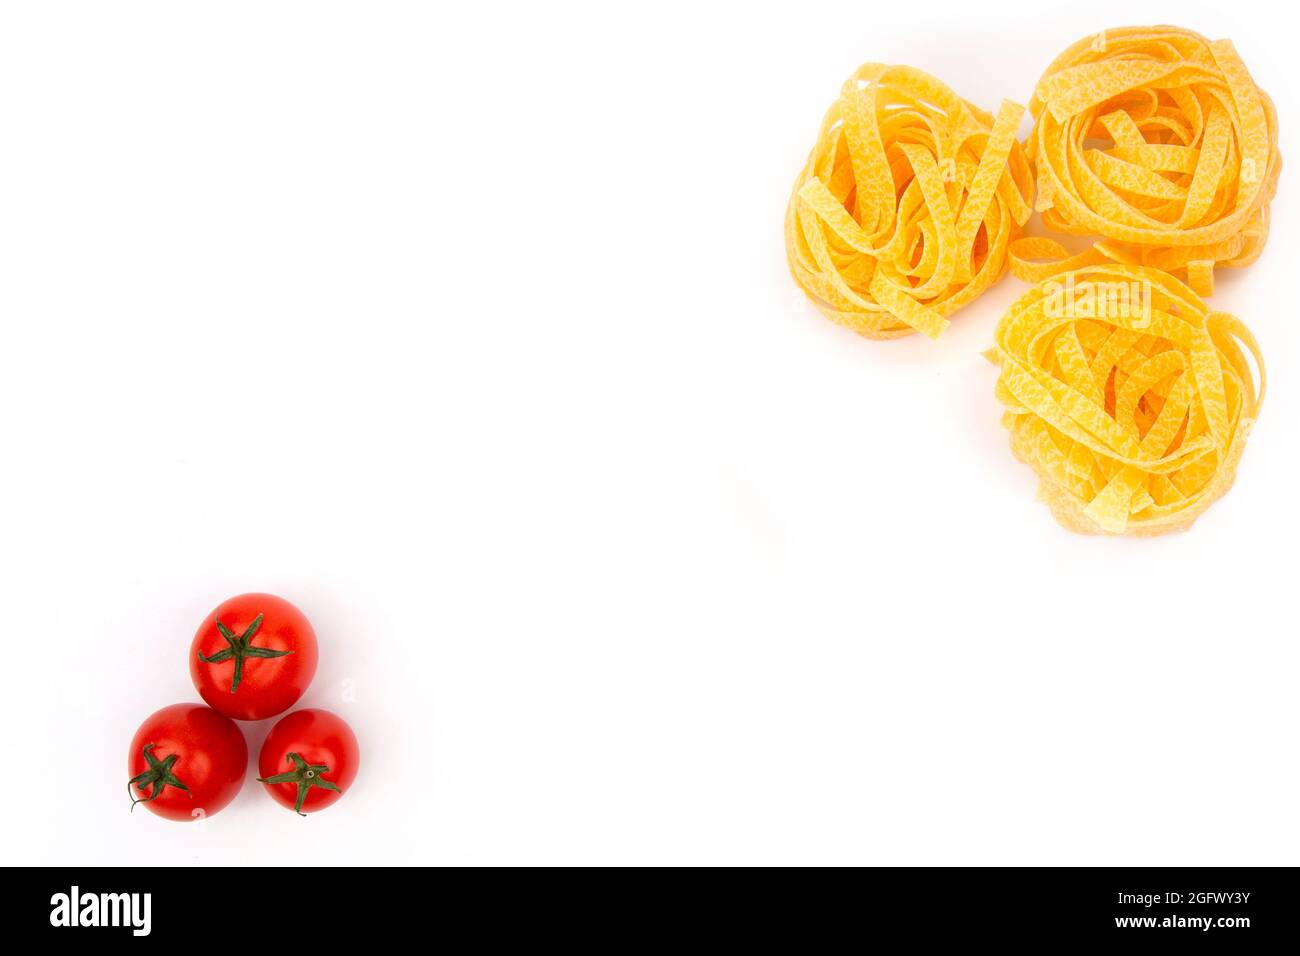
(309,760)
(186,762)
(253,656)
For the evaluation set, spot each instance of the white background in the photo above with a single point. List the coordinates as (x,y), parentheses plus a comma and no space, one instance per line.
(471,334)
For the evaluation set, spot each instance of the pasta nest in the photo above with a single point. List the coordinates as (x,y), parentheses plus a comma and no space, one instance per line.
(1127,395)
(1158,141)
(906,206)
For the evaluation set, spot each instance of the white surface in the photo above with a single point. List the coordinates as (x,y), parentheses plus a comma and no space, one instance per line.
(471,333)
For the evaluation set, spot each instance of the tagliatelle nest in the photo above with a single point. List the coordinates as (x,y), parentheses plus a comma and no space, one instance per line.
(1130,399)
(1158,141)
(907,203)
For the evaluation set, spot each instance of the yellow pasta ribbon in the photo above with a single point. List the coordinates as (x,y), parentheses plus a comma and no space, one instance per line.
(907,203)
(1157,141)
(1130,398)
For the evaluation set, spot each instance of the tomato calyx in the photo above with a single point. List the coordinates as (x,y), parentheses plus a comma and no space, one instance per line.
(159,775)
(305,775)
(240,648)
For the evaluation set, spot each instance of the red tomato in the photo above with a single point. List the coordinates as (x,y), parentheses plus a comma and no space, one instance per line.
(309,760)
(253,656)
(186,762)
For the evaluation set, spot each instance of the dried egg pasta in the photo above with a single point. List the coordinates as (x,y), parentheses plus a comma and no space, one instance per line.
(1130,398)
(906,206)
(1157,141)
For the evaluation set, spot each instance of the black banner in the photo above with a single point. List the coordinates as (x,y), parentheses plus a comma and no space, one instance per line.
(1225,907)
